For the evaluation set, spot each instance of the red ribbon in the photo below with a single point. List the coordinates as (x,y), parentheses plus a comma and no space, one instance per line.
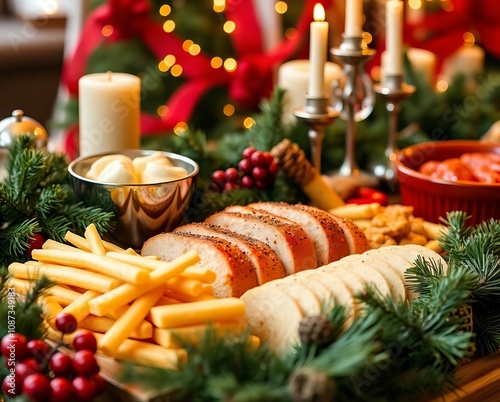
(247,85)
(443,31)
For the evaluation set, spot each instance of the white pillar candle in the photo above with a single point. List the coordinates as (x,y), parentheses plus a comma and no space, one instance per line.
(109,112)
(293,77)
(423,63)
(353,18)
(317,52)
(394,37)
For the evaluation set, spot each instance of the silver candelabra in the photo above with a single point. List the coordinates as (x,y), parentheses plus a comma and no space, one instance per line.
(353,95)
(317,115)
(394,90)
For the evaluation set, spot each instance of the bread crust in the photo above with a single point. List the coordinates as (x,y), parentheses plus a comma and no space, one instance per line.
(288,240)
(266,263)
(326,234)
(356,238)
(235,273)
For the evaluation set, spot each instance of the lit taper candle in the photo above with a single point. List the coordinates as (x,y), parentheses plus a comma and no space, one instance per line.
(317,52)
(394,37)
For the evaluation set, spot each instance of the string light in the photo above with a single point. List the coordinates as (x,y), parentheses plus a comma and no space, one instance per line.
(162,66)
(162,111)
(107,30)
(281,7)
(169,26)
(228,110)
(229,27)
(248,122)
(469,39)
(415,4)
(180,128)
(165,10)
(186,45)
(169,60)
(230,64)
(219,6)
(176,70)
(216,62)
(441,86)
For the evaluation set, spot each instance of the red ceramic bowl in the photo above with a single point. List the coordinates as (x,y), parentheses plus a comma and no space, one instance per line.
(433,198)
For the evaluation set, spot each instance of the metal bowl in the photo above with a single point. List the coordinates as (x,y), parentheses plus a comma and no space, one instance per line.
(142,210)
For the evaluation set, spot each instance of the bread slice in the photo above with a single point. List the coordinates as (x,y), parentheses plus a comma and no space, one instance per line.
(307,300)
(288,240)
(396,284)
(235,273)
(328,238)
(356,238)
(265,261)
(273,316)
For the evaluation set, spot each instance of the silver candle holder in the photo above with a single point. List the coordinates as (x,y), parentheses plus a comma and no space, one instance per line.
(353,95)
(317,115)
(394,90)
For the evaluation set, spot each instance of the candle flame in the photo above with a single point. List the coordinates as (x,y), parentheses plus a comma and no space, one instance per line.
(319,12)
(109,75)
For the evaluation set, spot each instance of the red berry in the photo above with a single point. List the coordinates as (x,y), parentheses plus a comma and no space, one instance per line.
(35,242)
(27,367)
(38,349)
(245,166)
(259,173)
(66,323)
(61,390)
(85,340)
(61,364)
(247,152)
(215,187)
(14,345)
(230,186)
(269,158)
(36,386)
(261,185)
(12,384)
(273,168)
(84,388)
(85,363)
(247,181)
(232,175)
(219,177)
(258,159)
(99,383)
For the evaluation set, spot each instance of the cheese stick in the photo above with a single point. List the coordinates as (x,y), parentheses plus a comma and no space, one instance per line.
(124,325)
(102,324)
(98,263)
(357,211)
(187,286)
(170,337)
(50,308)
(184,298)
(126,293)
(94,240)
(83,244)
(80,307)
(62,295)
(180,315)
(64,275)
(204,275)
(50,244)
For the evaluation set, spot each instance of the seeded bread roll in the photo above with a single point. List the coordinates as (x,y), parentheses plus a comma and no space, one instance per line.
(289,241)
(234,272)
(326,234)
(266,263)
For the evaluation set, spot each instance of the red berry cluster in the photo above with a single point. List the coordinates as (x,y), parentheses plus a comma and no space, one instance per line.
(257,169)
(43,373)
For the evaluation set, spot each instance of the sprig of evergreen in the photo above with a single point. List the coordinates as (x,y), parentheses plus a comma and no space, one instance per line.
(37,197)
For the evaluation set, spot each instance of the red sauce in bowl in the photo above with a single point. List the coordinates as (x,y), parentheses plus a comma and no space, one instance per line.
(483,167)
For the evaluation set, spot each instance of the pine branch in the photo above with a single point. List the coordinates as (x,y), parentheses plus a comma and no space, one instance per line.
(423,274)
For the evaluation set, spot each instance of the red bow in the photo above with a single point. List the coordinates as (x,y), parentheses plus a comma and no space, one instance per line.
(247,85)
(443,31)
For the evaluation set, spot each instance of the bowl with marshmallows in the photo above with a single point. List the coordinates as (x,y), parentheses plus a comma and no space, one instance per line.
(148,191)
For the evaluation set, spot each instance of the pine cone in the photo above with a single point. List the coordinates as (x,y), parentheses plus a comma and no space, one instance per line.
(291,158)
(308,385)
(318,330)
(466,324)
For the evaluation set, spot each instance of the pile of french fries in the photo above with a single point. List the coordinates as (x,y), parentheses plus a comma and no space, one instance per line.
(139,307)
(391,225)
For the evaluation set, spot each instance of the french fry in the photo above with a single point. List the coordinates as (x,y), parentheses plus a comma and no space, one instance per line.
(124,325)
(126,293)
(102,324)
(180,315)
(357,211)
(94,240)
(65,275)
(98,263)
(80,307)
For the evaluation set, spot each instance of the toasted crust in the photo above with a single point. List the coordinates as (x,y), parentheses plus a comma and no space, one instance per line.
(266,263)
(290,242)
(358,243)
(327,236)
(235,273)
